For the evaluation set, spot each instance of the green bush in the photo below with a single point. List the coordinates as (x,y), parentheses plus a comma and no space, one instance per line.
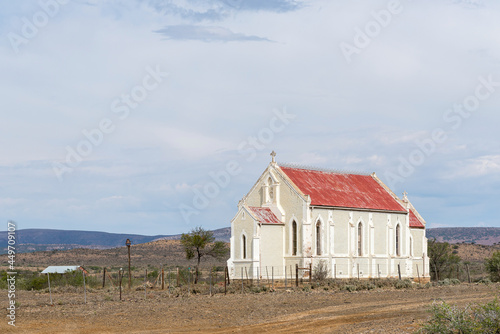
(493,266)
(404,284)
(447,319)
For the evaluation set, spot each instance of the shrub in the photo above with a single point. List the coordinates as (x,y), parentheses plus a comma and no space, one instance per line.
(493,266)
(470,319)
(404,284)
(320,271)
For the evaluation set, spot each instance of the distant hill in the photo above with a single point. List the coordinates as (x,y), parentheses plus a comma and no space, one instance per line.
(31,240)
(454,235)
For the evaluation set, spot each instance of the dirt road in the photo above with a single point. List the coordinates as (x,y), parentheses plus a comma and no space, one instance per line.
(376,311)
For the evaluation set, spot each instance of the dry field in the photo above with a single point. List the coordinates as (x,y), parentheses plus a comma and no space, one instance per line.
(375,311)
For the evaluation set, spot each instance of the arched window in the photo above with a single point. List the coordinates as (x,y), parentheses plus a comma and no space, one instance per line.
(398,237)
(243,247)
(360,239)
(271,189)
(318,238)
(294,238)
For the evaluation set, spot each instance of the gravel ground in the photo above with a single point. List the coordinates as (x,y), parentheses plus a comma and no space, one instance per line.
(375,311)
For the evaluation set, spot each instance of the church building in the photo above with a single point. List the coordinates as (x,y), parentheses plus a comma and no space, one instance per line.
(353,223)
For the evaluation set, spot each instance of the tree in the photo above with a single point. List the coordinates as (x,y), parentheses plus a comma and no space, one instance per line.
(492,265)
(199,243)
(441,258)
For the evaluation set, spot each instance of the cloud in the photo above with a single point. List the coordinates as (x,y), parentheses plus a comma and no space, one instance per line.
(216,10)
(481,166)
(206,34)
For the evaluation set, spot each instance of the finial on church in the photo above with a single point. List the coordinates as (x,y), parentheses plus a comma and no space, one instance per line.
(273,155)
(405,196)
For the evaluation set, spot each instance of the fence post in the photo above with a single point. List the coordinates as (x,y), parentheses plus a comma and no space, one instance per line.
(267,274)
(468,272)
(210,282)
(177,276)
(145,285)
(285,279)
(358,271)
(120,279)
(399,271)
(104,277)
(418,273)
(378,270)
(310,272)
(225,279)
(84,287)
(296,275)
(272,276)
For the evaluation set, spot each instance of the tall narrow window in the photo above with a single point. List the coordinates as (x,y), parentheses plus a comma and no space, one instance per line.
(318,238)
(360,239)
(294,238)
(271,189)
(244,247)
(397,240)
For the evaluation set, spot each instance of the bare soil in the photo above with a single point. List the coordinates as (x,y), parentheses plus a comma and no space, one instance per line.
(375,311)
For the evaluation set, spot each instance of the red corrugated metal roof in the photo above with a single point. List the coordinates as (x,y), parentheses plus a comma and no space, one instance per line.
(343,190)
(414,221)
(264,215)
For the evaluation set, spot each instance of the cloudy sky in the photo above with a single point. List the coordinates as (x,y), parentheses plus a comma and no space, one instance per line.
(153,117)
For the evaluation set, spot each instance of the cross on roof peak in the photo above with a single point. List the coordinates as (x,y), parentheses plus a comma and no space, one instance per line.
(273,155)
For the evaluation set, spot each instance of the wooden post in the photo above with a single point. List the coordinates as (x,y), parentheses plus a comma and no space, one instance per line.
(227,273)
(285,278)
(120,281)
(84,287)
(177,276)
(210,282)
(418,275)
(104,277)
(291,275)
(246,273)
(169,284)
(358,271)
(310,272)
(399,271)
(378,270)
(225,279)
(50,292)
(145,285)
(272,275)
(296,275)
(267,274)
(162,278)
(129,273)
(468,272)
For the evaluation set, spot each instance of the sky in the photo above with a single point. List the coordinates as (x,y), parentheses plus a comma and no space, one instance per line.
(154,117)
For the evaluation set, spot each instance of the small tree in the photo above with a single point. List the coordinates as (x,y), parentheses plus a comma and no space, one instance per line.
(441,258)
(492,265)
(199,243)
